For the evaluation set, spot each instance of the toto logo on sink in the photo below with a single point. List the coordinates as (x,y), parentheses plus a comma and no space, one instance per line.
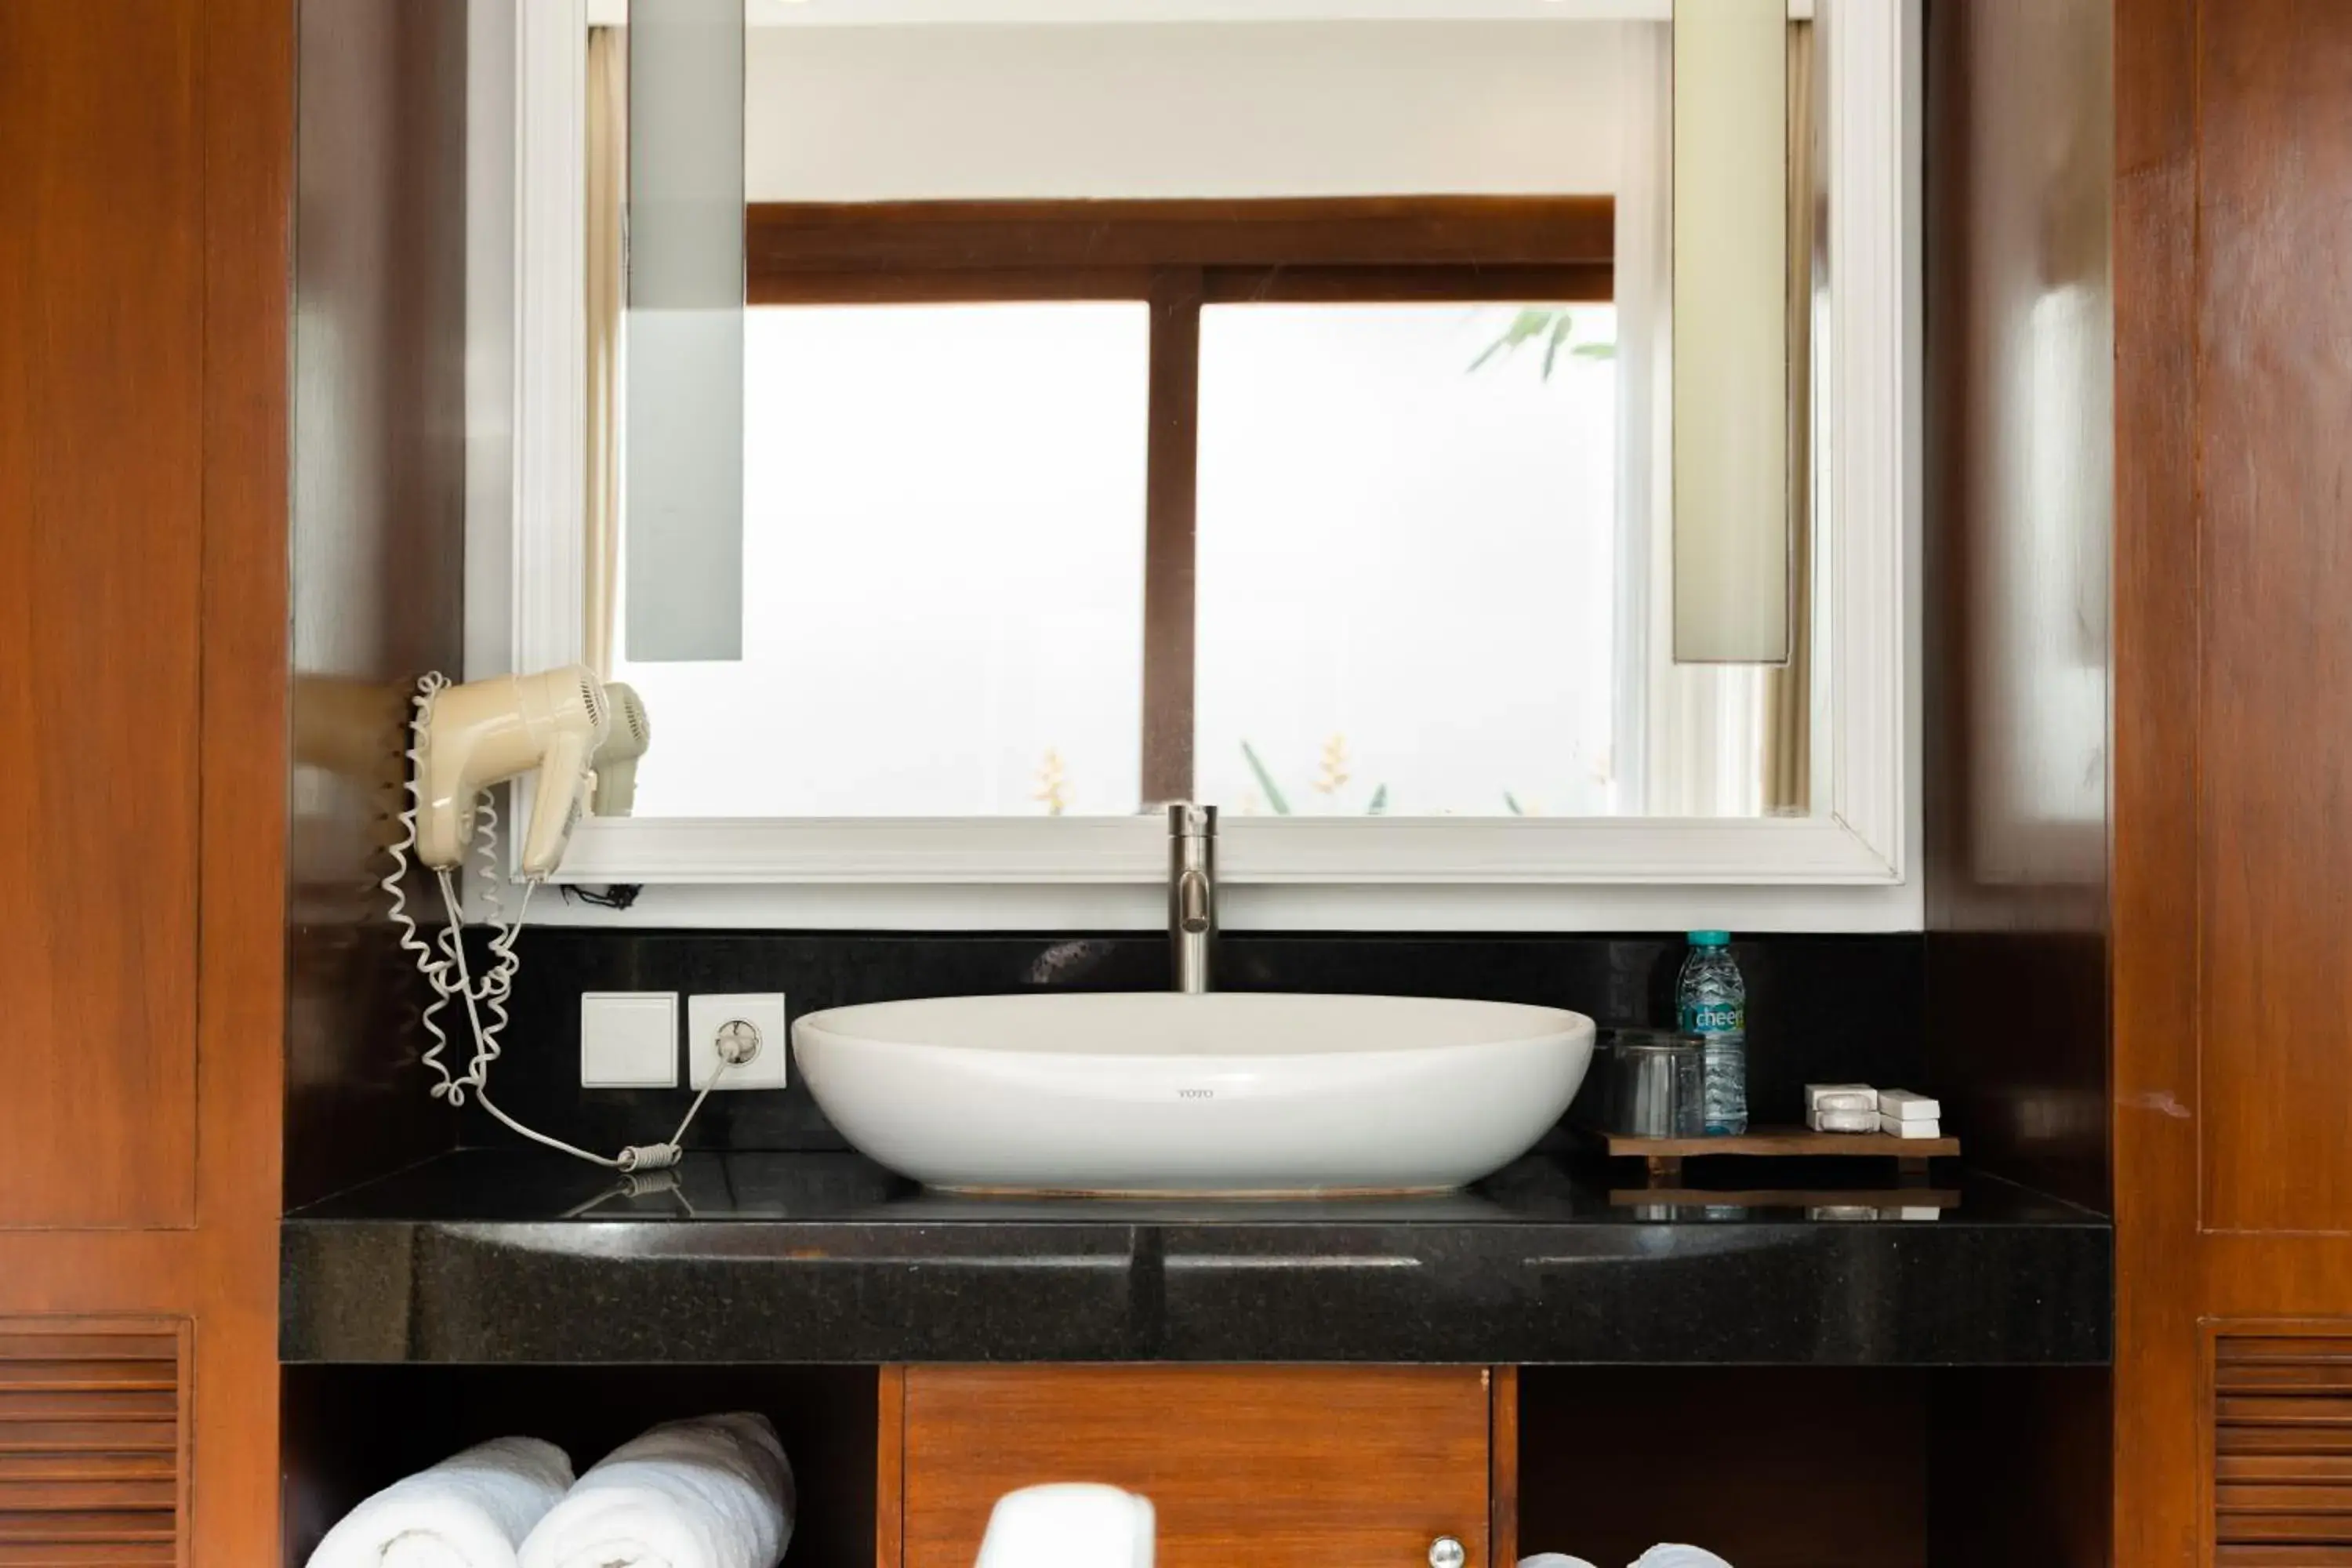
(1196,1094)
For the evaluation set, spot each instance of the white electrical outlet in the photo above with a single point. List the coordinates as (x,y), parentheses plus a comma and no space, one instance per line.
(731,1024)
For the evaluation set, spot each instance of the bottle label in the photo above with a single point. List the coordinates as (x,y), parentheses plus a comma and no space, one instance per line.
(1714,1018)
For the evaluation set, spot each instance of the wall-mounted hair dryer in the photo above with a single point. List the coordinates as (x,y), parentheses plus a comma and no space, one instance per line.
(555,727)
(487,731)
(626,741)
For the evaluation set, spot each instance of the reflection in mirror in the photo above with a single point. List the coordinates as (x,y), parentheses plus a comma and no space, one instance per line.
(1407,558)
(1272,414)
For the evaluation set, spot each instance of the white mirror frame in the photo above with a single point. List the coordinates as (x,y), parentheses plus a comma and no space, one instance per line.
(1845,867)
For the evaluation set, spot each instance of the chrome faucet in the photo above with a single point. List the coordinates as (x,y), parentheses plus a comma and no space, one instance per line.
(1191,894)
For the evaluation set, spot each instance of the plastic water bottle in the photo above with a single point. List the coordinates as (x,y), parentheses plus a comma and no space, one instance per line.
(1712,1000)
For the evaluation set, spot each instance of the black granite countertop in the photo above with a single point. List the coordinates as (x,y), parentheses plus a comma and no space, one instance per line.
(513,1256)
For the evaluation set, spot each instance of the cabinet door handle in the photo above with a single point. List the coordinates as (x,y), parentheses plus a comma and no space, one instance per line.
(1446,1553)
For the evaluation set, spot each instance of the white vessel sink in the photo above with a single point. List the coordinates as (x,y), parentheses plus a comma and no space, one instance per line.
(1225,1094)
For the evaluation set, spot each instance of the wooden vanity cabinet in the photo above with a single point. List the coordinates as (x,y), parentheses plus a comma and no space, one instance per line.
(1276,1465)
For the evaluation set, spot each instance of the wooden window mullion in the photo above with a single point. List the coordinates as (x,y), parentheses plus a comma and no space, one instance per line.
(1172,465)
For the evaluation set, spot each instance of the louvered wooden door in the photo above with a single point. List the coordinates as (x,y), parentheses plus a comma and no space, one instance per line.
(93,1442)
(2281,1461)
(144,220)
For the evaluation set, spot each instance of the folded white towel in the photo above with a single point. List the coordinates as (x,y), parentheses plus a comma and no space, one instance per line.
(1553,1560)
(715,1492)
(1679,1557)
(1070,1524)
(470,1511)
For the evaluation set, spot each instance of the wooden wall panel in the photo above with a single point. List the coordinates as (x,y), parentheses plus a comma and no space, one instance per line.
(2021,438)
(2021,460)
(378,551)
(2039,1441)
(1766,1466)
(143,306)
(1278,1466)
(2232,1050)
(101,279)
(2274,847)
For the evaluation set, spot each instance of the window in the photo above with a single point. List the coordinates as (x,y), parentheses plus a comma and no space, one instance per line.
(1298,506)
(1406,557)
(943,548)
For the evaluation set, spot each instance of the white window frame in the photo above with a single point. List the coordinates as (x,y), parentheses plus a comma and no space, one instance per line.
(1847,865)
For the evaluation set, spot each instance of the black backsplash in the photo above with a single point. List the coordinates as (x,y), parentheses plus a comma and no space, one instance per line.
(1819,1008)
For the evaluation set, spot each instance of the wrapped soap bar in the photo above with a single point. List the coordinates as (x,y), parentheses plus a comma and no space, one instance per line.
(1904,1105)
(1895,1127)
(1845,1121)
(1840,1097)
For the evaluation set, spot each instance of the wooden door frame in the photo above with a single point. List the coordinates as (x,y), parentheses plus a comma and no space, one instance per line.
(2154,929)
(248,104)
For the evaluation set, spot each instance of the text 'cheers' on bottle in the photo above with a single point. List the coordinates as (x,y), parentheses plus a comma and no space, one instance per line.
(1712,1003)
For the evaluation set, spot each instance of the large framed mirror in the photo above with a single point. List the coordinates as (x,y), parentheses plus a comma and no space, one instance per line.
(1451,437)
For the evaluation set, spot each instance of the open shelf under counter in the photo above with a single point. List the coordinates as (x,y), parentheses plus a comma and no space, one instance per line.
(511,1255)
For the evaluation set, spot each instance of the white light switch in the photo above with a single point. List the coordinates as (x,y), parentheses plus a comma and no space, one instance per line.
(628,1039)
(763,1014)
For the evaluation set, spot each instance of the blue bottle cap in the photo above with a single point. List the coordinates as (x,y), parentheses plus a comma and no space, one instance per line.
(1710,939)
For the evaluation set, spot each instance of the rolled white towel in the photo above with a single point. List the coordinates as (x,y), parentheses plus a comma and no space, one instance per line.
(715,1492)
(470,1511)
(1679,1557)
(1553,1559)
